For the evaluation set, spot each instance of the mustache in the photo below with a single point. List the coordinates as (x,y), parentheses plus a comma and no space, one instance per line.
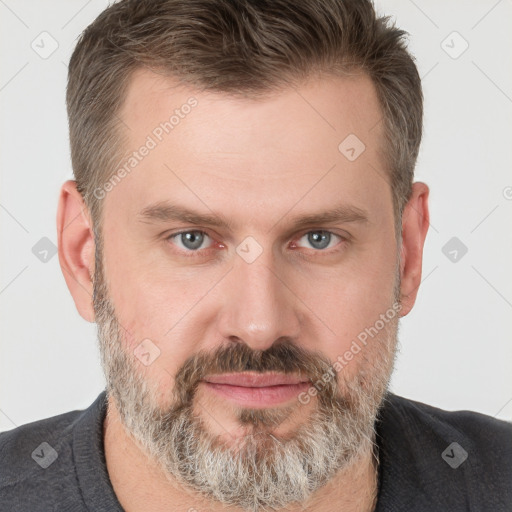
(282,357)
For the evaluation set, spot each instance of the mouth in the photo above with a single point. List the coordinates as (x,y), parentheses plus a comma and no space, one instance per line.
(257,390)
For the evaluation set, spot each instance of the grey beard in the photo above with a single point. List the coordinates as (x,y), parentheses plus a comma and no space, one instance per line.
(261,470)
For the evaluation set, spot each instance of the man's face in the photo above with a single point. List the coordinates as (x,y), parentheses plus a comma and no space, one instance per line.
(259,293)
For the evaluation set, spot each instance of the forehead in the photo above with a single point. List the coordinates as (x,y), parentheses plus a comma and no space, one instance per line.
(206,146)
(329,105)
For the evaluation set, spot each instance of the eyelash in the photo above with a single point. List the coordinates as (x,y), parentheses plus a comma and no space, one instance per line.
(191,253)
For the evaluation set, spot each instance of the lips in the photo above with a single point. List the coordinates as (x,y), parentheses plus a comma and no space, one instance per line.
(257,390)
(256,380)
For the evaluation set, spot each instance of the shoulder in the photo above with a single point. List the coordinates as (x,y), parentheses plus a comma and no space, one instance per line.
(37,464)
(484,430)
(27,447)
(457,458)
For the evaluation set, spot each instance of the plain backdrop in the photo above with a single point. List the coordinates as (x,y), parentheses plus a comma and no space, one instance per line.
(456,350)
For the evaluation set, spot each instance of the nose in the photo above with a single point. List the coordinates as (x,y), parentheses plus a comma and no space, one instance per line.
(259,308)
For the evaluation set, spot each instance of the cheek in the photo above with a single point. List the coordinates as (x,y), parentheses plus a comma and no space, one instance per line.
(150,296)
(351,300)
(154,310)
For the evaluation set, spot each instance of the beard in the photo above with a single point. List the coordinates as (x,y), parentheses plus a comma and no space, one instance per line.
(259,470)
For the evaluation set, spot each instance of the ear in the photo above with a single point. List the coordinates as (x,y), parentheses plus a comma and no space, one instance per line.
(415,222)
(76,248)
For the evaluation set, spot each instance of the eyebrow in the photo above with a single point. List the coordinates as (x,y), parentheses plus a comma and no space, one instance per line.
(164,211)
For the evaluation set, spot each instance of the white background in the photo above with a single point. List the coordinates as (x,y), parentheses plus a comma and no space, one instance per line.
(456,350)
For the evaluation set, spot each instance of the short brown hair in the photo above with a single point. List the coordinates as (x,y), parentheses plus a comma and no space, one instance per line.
(240,47)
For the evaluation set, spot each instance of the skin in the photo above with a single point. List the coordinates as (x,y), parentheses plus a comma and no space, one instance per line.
(259,164)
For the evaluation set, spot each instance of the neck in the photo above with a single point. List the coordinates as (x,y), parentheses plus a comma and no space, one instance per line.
(140,484)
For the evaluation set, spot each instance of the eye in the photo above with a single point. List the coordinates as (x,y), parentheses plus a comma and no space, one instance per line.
(321,239)
(189,241)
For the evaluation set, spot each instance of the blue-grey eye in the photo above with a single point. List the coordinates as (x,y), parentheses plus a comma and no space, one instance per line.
(191,240)
(320,239)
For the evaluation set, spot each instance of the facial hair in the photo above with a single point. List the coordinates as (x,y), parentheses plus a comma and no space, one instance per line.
(261,470)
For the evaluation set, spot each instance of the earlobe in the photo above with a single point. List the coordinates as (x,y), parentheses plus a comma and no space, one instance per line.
(415,222)
(76,248)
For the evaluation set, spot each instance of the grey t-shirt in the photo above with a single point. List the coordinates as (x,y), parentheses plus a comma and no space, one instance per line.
(430,460)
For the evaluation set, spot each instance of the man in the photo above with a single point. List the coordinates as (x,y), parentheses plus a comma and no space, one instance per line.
(245,231)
